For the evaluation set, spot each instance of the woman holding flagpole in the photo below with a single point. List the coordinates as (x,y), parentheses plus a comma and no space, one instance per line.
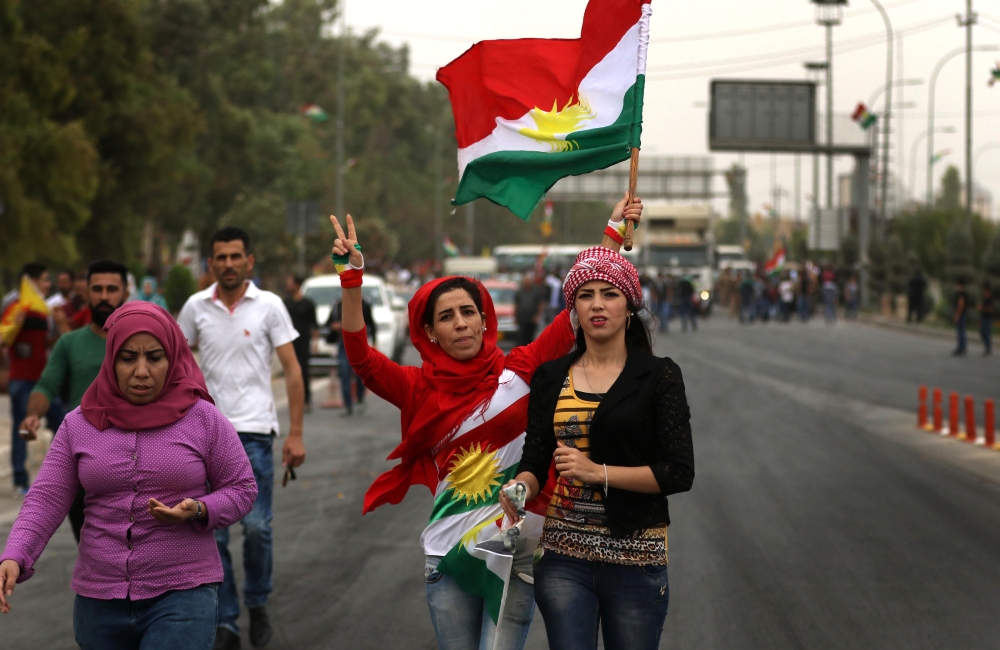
(615,420)
(463,414)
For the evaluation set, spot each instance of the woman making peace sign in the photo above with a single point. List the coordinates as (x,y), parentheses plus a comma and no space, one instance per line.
(463,412)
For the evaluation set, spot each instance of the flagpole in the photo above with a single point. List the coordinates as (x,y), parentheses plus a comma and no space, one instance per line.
(633,174)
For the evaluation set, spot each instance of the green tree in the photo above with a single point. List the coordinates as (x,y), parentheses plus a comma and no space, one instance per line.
(951,189)
(991,261)
(959,260)
(179,286)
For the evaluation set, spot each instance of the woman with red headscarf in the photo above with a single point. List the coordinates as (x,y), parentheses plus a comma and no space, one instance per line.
(162,469)
(616,421)
(463,413)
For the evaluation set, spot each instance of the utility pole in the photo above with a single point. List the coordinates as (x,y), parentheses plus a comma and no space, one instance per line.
(339,199)
(968,22)
(470,227)
(884,167)
(829,110)
(798,187)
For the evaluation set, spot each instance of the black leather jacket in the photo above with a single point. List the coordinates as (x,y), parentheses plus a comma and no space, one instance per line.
(643,420)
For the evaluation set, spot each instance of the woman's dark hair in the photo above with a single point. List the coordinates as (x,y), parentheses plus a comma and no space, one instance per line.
(636,334)
(469,286)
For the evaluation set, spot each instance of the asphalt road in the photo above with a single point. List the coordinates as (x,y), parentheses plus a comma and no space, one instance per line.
(818,518)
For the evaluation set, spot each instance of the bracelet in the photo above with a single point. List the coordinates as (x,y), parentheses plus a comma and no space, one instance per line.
(198,514)
(605,479)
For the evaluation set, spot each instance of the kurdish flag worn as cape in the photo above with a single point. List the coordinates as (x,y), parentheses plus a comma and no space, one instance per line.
(483,454)
(531,111)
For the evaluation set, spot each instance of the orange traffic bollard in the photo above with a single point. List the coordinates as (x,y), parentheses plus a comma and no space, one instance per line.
(988,422)
(922,408)
(953,413)
(970,419)
(938,415)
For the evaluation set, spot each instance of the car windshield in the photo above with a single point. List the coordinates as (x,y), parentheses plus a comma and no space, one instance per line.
(330,295)
(502,295)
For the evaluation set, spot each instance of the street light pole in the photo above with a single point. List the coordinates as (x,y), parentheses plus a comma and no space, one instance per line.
(828,14)
(884,168)
(968,22)
(339,199)
(930,109)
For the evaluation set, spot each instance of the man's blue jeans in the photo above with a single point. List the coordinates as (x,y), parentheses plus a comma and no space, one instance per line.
(20,392)
(461,621)
(347,375)
(257,538)
(960,331)
(176,619)
(575,597)
(986,332)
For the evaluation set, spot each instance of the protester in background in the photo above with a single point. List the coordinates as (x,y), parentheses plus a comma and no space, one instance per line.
(63,303)
(806,284)
(466,395)
(529,304)
(851,294)
(986,313)
(960,317)
(747,306)
(554,284)
(689,311)
(26,332)
(238,329)
(302,311)
(616,421)
(162,469)
(829,280)
(348,378)
(666,298)
(786,292)
(148,293)
(915,289)
(76,361)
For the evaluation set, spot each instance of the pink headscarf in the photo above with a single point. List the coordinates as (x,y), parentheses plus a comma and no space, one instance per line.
(599,263)
(103,404)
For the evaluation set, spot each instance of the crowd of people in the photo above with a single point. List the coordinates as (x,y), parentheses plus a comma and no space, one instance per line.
(787,294)
(156,456)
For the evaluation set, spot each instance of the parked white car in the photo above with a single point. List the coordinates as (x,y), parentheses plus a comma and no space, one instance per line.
(388,310)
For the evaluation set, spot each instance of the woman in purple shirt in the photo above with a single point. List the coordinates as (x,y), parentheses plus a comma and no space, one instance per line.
(146,434)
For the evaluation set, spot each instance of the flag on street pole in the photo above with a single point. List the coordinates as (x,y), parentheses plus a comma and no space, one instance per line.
(994,75)
(863,117)
(531,111)
(315,113)
(450,249)
(776,263)
(939,155)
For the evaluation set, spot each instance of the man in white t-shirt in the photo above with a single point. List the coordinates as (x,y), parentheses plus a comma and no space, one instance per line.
(237,329)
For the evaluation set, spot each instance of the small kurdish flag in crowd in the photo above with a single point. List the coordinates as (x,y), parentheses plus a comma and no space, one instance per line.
(315,113)
(776,263)
(531,111)
(29,301)
(994,75)
(863,117)
(450,249)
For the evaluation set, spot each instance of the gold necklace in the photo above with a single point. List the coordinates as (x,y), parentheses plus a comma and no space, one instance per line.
(587,377)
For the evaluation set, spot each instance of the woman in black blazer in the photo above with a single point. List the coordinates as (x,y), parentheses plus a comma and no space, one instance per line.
(615,421)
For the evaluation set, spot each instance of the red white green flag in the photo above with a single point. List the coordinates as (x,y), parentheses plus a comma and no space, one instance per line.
(776,263)
(531,111)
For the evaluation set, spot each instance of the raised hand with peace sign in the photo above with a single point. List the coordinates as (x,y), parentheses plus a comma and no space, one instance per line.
(347,244)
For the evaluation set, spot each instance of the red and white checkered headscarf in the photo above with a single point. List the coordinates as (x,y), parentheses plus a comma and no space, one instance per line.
(599,263)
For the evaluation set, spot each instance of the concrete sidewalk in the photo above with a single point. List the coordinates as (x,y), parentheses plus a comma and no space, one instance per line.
(920,329)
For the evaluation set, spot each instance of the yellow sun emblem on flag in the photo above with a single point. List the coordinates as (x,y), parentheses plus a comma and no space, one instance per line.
(549,124)
(474,473)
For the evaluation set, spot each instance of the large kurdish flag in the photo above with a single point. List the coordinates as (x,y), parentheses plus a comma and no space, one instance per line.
(483,455)
(531,111)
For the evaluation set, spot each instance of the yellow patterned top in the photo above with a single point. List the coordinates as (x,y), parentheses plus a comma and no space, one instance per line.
(575,522)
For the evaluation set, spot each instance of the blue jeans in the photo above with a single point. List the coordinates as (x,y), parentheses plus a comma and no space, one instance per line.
(20,391)
(628,603)
(804,308)
(461,621)
(960,331)
(258,545)
(688,312)
(665,317)
(176,619)
(830,304)
(347,375)
(986,332)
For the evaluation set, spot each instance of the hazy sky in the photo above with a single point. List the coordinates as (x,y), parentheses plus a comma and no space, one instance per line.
(693,42)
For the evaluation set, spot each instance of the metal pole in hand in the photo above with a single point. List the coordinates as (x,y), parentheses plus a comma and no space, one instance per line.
(633,174)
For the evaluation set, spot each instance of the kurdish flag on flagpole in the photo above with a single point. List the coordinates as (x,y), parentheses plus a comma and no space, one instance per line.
(776,263)
(531,111)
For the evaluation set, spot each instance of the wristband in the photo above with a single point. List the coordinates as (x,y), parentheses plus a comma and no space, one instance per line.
(351,278)
(343,262)
(612,232)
